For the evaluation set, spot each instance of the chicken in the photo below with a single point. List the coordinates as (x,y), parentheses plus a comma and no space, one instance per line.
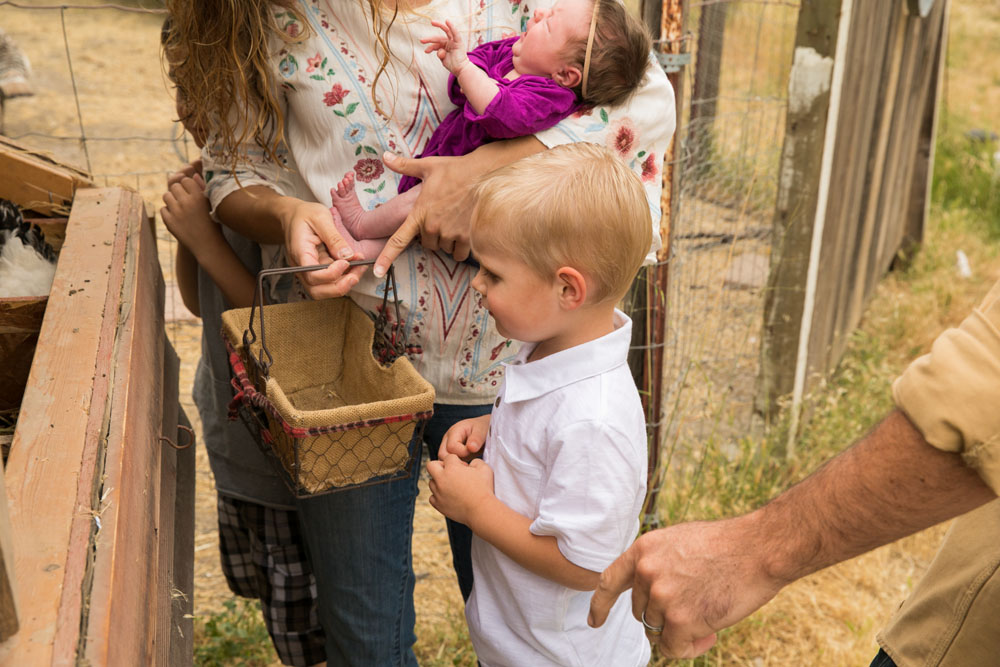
(27,261)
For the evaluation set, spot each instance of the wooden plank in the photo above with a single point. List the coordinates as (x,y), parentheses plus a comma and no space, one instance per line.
(918,204)
(182,627)
(178,551)
(35,181)
(907,154)
(121,603)
(182,593)
(798,189)
(9,621)
(45,480)
(874,54)
(167,503)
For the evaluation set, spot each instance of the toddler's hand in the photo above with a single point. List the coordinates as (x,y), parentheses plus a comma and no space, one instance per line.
(459,488)
(450,47)
(466,438)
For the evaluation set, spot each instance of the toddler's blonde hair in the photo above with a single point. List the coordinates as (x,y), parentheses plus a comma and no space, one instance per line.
(574,205)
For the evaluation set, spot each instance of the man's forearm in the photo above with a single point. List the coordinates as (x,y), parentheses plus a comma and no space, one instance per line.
(890,484)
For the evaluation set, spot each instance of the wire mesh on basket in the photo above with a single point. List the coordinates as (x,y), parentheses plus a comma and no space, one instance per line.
(347,410)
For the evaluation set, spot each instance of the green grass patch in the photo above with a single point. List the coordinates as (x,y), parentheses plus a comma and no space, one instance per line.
(966,174)
(234,636)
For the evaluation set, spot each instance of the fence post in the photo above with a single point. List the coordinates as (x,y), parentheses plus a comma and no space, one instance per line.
(798,216)
(708,60)
(665,19)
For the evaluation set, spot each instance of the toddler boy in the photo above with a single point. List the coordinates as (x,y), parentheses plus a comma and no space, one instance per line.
(556,497)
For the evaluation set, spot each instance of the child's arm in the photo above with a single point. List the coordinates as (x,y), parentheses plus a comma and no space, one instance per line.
(185,264)
(186,216)
(466,438)
(186,272)
(464,493)
(478,87)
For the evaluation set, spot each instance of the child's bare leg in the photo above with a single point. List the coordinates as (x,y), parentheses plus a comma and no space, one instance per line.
(367,248)
(377,223)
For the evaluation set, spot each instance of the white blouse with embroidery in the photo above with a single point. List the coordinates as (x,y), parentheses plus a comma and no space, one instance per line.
(333,126)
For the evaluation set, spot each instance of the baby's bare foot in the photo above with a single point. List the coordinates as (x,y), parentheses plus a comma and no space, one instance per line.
(345,200)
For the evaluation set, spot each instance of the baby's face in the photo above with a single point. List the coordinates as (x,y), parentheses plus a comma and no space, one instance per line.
(541,49)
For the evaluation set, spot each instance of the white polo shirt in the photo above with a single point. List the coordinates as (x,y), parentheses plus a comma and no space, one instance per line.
(567,446)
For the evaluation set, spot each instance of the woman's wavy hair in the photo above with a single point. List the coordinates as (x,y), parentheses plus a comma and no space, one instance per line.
(220,57)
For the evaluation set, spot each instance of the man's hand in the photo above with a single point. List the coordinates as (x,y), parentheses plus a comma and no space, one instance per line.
(459,488)
(466,438)
(691,579)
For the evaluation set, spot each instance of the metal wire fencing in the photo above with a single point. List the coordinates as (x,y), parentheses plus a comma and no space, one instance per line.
(727,158)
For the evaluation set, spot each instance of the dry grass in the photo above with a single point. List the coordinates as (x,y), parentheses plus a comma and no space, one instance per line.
(829,618)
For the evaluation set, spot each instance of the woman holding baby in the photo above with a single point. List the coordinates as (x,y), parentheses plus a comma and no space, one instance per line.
(326,87)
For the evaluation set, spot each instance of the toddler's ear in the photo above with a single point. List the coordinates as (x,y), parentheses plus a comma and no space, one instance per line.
(568,76)
(572,288)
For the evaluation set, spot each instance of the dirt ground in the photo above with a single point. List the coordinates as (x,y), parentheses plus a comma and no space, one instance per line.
(124,108)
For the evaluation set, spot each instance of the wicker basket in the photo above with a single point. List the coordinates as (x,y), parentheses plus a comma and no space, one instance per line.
(315,396)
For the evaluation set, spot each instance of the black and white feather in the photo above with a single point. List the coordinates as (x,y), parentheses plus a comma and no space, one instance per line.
(27,261)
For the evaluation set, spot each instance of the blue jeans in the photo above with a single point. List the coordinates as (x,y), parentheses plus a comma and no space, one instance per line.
(459,535)
(359,543)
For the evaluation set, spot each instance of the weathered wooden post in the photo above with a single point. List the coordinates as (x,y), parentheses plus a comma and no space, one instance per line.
(854,179)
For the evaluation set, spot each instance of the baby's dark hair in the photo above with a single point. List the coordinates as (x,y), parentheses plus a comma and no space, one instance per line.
(618,57)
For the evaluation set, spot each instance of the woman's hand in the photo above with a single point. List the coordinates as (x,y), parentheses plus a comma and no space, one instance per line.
(466,438)
(442,213)
(310,237)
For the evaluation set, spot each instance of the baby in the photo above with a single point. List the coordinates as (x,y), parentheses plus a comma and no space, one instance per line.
(578,53)
(556,497)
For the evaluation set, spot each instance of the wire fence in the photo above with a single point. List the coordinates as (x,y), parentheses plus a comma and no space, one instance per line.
(729,142)
(102,102)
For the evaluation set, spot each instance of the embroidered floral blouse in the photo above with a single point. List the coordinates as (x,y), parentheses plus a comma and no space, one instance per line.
(333,127)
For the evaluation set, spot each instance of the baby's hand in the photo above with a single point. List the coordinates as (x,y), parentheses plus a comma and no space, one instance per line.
(450,47)
(465,439)
(459,488)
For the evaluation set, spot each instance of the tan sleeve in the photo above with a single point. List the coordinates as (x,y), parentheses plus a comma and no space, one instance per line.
(952,394)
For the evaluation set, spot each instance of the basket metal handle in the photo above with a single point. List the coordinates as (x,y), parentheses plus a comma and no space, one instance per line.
(264,360)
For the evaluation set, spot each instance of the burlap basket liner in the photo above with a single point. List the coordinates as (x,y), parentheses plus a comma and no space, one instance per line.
(336,417)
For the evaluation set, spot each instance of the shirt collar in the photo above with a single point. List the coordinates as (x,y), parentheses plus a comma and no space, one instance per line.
(524,380)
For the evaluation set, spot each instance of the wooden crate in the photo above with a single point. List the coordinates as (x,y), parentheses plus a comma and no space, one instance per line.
(36,182)
(101,510)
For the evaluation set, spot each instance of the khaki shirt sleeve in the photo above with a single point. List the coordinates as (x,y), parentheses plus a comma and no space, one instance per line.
(952,394)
